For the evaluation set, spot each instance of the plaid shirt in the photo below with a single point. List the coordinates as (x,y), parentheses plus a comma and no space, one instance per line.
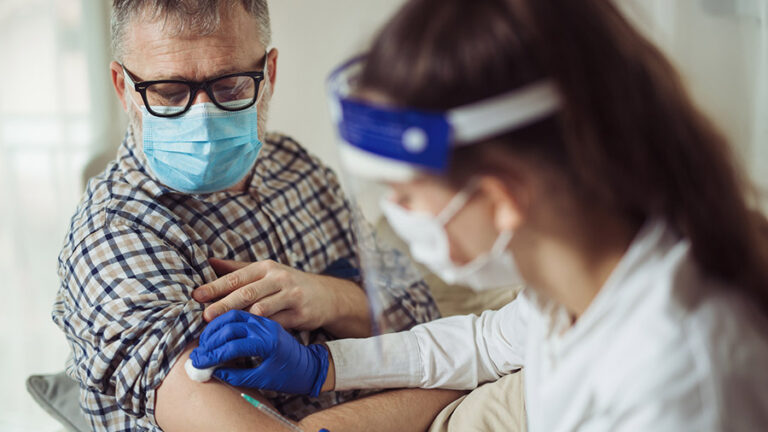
(136,250)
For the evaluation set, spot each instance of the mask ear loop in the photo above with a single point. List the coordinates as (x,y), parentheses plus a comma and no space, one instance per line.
(502,242)
(267,83)
(458,202)
(132,86)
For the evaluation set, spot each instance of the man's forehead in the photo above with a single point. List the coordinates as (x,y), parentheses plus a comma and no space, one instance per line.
(158,49)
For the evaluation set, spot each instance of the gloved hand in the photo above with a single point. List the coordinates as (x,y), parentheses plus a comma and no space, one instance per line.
(287,366)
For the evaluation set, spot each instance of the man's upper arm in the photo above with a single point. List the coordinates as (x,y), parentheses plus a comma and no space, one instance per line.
(126,308)
(184,405)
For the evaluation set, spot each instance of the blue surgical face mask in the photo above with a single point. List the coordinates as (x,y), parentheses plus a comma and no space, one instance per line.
(203,151)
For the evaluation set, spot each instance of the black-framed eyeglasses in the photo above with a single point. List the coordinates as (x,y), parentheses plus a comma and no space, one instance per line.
(172,98)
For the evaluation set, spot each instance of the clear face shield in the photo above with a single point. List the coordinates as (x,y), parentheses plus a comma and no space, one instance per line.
(381,146)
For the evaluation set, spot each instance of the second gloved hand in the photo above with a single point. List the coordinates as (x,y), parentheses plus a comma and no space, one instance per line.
(287,365)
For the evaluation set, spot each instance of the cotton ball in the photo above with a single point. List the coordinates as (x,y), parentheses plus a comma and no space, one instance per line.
(199,375)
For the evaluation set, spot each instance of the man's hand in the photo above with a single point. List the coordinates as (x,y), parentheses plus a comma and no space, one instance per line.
(286,365)
(292,298)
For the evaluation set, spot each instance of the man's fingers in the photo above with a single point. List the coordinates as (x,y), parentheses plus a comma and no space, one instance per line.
(241,299)
(232,281)
(270,306)
(222,267)
(286,319)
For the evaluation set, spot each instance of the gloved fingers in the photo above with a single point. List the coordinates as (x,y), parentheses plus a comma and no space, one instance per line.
(236,377)
(204,358)
(201,359)
(232,316)
(250,347)
(233,332)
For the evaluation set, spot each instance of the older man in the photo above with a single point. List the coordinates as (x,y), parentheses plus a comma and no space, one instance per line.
(196,177)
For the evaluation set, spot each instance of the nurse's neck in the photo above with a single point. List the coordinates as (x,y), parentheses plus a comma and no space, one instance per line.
(573,253)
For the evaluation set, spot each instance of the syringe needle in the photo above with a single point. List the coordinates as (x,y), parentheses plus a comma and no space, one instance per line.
(265,409)
(272,413)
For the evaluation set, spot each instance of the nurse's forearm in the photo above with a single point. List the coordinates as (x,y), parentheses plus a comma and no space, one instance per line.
(386,361)
(459,352)
(396,411)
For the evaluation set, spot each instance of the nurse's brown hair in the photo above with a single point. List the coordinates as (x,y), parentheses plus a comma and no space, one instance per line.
(628,138)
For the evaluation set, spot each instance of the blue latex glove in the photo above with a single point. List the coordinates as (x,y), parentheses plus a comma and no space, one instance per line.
(287,366)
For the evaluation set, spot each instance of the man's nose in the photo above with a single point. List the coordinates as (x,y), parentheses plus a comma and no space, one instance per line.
(201,97)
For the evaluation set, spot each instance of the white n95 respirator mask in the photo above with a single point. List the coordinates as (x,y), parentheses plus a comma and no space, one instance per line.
(428,241)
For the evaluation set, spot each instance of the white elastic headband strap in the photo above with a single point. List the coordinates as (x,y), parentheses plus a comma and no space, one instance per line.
(506,112)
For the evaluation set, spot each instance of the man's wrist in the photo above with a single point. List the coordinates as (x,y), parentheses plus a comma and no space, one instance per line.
(330,376)
(335,306)
(347,308)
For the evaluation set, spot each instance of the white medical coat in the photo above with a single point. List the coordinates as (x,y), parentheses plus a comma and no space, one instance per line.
(662,347)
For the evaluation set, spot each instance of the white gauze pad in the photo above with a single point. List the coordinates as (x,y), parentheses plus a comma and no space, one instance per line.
(199,375)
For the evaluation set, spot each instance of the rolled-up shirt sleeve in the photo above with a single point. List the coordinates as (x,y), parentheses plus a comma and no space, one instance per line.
(126,308)
(459,352)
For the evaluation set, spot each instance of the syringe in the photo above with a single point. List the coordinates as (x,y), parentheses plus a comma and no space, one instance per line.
(272,413)
(263,408)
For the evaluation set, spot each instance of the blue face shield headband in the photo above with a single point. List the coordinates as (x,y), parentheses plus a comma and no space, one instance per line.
(395,143)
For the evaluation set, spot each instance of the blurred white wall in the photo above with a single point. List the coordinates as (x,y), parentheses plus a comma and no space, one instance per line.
(53,114)
(313,38)
(721,49)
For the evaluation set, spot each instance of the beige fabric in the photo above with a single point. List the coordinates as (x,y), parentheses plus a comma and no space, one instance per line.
(496,406)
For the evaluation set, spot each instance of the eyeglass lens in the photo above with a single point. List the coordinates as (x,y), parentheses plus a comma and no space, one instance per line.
(232,92)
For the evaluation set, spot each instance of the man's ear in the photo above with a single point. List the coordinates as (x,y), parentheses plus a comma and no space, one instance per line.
(509,199)
(118,82)
(272,67)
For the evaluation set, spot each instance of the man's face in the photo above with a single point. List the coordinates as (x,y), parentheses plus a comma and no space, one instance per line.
(153,53)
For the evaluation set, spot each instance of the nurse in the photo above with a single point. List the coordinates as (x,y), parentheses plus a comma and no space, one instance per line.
(548,142)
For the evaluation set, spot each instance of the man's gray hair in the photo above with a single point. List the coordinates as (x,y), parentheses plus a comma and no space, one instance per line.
(202,17)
